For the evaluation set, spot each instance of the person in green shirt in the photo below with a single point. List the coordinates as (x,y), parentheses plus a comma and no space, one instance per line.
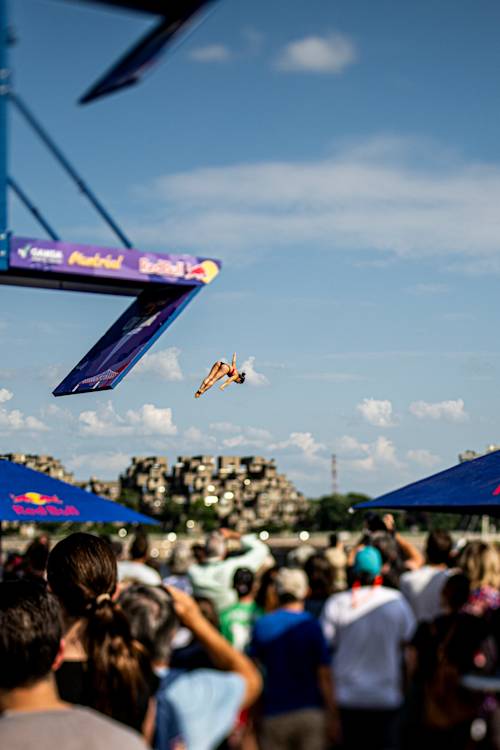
(237,621)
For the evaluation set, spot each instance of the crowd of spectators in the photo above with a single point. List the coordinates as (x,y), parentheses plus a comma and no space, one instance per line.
(376,644)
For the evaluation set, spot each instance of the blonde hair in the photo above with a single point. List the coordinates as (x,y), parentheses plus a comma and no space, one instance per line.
(481,564)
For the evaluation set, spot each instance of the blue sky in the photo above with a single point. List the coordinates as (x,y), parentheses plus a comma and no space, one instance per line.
(343,160)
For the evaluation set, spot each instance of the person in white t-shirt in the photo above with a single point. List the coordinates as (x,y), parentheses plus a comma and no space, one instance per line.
(423,587)
(367,627)
(136,570)
(213,578)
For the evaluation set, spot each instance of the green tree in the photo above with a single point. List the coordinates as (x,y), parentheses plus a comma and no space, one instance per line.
(206,516)
(333,512)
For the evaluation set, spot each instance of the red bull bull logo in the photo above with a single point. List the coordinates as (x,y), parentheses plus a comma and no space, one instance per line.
(35,498)
(38,504)
(204,272)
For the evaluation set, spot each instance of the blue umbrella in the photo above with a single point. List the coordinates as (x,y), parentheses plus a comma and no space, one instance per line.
(470,488)
(29,496)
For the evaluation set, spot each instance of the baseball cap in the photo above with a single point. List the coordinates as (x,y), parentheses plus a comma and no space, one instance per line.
(368,560)
(291,581)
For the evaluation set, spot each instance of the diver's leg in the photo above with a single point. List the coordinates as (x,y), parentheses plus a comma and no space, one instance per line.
(217,372)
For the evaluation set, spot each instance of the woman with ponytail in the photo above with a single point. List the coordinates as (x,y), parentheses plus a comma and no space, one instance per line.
(103,667)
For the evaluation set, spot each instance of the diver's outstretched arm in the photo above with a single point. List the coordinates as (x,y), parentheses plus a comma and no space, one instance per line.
(228,382)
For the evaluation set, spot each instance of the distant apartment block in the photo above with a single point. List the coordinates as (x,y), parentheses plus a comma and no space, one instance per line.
(43,463)
(245,492)
(470,455)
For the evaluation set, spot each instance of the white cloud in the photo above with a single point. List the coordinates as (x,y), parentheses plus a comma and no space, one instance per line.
(164,364)
(252,377)
(197,440)
(258,433)
(211,53)
(102,464)
(152,420)
(237,436)
(254,437)
(147,420)
(377,413)
(423,457)
(387,196)
(15,420)
(315,54)
(234,442)
(226,427)
(367,457)
(451,411)
(306,444)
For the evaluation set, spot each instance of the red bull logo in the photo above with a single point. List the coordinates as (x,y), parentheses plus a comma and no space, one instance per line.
(35,498)
(204,272)
(496,491)
(37,504)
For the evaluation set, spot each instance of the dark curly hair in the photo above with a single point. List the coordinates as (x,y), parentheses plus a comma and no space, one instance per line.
(241,378)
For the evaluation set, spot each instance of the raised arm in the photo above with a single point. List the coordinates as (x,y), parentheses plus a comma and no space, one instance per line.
(223,655)
(233,362)
(413,557)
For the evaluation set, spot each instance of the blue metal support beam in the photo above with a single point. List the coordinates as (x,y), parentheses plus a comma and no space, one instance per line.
(4,92)
(25,200)
(63,161)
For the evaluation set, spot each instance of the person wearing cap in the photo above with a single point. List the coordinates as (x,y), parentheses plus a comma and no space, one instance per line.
(367,627)
(298,700)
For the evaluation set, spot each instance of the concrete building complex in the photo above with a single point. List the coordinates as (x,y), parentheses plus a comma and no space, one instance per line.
(246,492)
(470,455)
(43,463)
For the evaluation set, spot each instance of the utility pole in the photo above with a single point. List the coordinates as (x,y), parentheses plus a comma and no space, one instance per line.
(335,484)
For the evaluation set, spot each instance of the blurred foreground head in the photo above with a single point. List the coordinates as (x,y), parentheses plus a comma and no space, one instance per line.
(82,573)
(181,559)
(215,547)
(438,547)
(367,565)
(30,634)
(243,582)
(481,564)
(152,619)
(291,585)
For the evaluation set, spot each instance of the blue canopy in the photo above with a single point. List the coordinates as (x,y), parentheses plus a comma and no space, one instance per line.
(470,488)
(29,496)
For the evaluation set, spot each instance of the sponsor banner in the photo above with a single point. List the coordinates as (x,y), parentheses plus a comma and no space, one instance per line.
(38,505)
(124,264)
(127,340)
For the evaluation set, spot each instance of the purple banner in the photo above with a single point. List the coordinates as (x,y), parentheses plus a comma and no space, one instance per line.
(51,257)
(126,341)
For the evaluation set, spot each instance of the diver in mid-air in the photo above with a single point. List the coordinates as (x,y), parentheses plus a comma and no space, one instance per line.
(221,370)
